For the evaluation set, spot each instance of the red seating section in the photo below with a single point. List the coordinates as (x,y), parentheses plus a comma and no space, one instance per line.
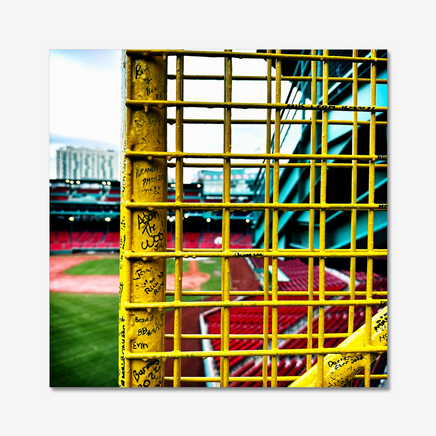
(170,240)
(63,237)
(249,320)
(56,246)
(244,242)
(113,239)
(298,273)
(237,240)
(60,241)
(207,240)
(191,240)
(92,240)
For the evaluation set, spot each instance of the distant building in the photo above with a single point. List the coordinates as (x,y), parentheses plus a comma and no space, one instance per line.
(84,163)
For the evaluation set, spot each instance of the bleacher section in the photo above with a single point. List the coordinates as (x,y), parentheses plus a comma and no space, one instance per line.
(380,282)
(87,240)
(291,320)
(59,194)
(74,203)
(170,240)
(191,240)
(113,195)
(244,242)
(207,240)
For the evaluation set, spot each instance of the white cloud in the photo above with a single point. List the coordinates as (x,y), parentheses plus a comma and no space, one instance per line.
(85,97)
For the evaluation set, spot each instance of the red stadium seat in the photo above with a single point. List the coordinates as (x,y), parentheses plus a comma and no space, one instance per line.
(56,246)
(63,236)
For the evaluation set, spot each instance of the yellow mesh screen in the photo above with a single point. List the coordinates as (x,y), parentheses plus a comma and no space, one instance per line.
(144,297)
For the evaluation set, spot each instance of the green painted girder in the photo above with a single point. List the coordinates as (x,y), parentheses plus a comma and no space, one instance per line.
(339,235)
(86,212)
(290,180)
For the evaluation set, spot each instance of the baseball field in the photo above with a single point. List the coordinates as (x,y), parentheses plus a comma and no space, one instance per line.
(84,313)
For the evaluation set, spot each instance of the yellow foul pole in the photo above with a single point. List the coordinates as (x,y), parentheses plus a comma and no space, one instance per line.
(143,179)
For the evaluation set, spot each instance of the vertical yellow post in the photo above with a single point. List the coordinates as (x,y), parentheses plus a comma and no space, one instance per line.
(275,225)
(371,187)
(353,200)
(144,179)
(225,311)
(178,269)
(266,235)
(322,219)
(311,212)
(353,239)
(125,234)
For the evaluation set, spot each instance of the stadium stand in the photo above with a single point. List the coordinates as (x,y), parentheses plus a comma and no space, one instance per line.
(170,240)
(63,236)
(208,240)
(291,320)
(91,203)
(191,240)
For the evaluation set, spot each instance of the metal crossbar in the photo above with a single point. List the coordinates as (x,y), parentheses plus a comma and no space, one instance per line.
(144,207)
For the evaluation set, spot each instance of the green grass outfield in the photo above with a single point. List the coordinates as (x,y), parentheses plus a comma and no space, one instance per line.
(83,340)
(84,327)
(99,267)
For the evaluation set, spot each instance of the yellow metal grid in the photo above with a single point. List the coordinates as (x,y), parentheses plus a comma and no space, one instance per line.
(143,252)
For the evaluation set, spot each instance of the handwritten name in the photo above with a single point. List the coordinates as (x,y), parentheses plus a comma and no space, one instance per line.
(248,254)
(153,238)
(153,190)
(140,171)
(139,345)
(148,180)
(140,70)
(145,331)
(144,369)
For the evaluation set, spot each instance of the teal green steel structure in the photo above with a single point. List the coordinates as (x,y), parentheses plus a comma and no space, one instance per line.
(295,182)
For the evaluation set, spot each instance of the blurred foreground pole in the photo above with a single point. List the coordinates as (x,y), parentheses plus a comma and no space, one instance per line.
(143,179)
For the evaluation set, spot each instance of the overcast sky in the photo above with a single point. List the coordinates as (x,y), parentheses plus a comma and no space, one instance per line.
(85,100)
(85,103)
